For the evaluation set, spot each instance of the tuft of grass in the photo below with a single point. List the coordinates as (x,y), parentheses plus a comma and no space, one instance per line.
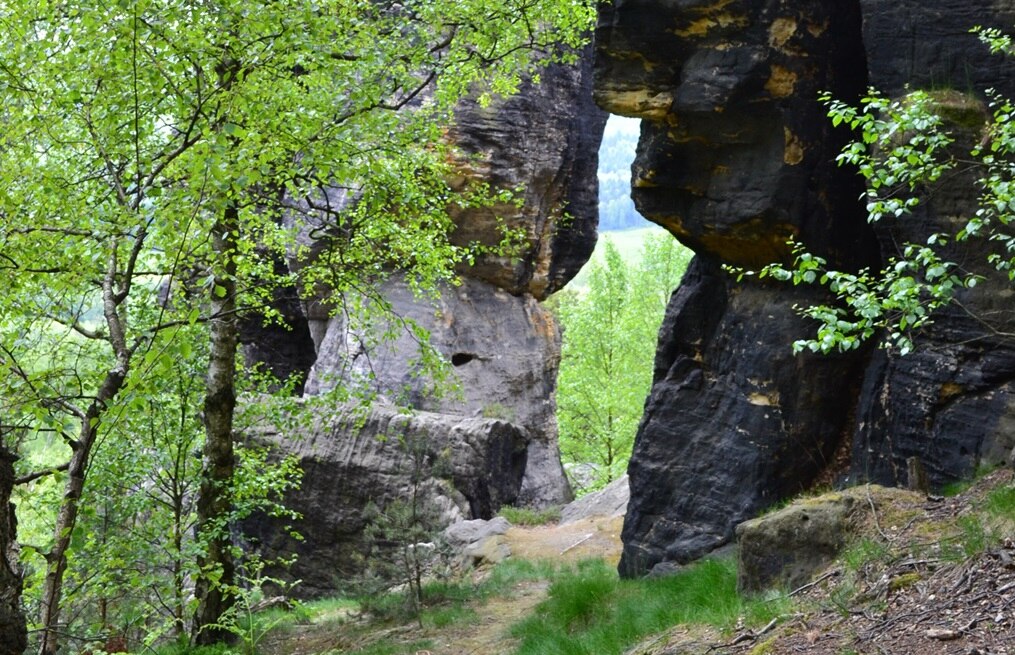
(952,489)
(591,611)
(525,516)
(444,616)
(513,571)
(1001,502)
(863,553)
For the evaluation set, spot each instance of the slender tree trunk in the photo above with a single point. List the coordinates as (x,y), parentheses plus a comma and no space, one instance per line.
(13,636)
(214,499)
(81,450)
(179,612)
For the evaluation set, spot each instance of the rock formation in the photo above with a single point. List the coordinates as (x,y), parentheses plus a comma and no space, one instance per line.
(459,467)
(736,155)
(951,402)
(493,439)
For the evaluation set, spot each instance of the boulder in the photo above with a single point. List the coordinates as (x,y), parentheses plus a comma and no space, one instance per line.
(609,501)
(455,467)
(466,533)
(479,542)
(786,548)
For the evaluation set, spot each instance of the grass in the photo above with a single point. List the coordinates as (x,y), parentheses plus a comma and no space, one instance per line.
(864,552)
(391,649)
(1001,503)
(590,611)
(529,517)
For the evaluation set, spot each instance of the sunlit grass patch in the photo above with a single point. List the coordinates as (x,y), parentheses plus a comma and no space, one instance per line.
(591,611)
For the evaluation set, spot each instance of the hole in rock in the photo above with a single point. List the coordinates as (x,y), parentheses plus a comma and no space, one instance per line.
(461,359)
(610,313)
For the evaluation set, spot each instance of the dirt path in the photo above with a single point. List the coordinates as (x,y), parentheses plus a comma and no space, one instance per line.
(485,632)
(488,633)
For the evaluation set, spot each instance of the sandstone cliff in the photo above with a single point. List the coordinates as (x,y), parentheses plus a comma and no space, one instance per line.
(494,435)
(736,155)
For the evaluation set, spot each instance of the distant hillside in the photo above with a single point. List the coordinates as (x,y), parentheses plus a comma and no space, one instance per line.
(628,242)
(616,209)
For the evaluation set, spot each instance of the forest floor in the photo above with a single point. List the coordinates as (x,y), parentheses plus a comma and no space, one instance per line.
(926,574)
(485,628)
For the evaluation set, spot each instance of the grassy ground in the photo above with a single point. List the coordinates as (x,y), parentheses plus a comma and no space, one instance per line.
(917,566)
(629,244)
(590,611)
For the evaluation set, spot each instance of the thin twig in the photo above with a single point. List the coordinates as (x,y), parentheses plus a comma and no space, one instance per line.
(807,586)
(874,513)
(578,543)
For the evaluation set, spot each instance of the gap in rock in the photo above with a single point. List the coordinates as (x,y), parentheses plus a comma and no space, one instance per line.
(610,314)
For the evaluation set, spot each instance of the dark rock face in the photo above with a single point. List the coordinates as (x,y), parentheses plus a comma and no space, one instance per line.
(734,421)
(285,349)
(736,156)
(544,139)
(928,45)
(950,403)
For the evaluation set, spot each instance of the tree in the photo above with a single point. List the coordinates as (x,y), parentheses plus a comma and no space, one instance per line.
(158,158)
(12,618)
(607,354)
(907,146)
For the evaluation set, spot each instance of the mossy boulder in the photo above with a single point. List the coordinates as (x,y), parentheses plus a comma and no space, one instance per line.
(786,548)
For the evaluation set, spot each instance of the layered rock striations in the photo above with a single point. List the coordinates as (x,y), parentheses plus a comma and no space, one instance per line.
(951,402)
(455,467)
(489,431)
(736,156)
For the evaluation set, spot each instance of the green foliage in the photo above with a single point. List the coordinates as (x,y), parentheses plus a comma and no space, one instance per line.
(607,354)
(1001,502)
(863,553)
(408,546)
(529,517)
(591,611)
(157,155)
(903,148)
(242,618)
